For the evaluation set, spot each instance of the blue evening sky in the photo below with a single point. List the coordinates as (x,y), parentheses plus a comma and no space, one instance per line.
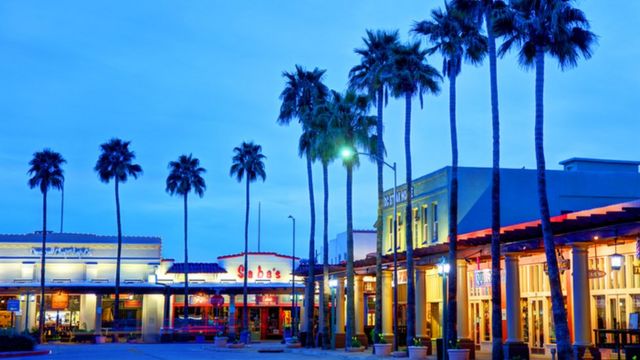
(202,76)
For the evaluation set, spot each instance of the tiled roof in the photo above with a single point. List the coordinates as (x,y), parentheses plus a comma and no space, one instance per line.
(255,253)
(197,268)
(74,238)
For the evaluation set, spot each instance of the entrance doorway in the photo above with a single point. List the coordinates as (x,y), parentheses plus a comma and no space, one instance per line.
(617,311)
(537,312)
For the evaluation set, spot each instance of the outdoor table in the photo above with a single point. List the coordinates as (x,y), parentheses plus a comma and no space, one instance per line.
(621,337)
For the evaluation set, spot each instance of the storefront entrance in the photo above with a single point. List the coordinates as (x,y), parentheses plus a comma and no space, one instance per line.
(537,311)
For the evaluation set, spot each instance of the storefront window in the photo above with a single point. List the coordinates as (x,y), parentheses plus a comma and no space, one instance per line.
(525,319)
(486,321)
(130,311)
(5,315)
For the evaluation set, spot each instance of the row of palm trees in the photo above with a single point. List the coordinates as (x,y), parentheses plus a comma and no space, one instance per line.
(534,28)
(116,162)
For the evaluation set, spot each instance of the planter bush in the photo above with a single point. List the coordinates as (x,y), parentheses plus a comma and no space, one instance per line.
(418,351)
(380,346)
(16,342)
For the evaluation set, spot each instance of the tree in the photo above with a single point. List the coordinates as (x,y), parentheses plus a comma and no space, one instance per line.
(537,28)
(455,37)
(303,92)
(485,10)
(321,140)
(367,76)
(185,175)
(247,164)
(116,162)
(355,130)
(46,173)
(410,75)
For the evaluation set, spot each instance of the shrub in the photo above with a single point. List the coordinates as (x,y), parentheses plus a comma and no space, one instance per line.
(355,342)
(16,342)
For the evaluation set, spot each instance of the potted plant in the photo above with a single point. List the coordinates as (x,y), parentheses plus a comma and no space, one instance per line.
(457,353)
(355,345)
(380,345)
(220,340)
(293,342)
(131,338)
(418,350)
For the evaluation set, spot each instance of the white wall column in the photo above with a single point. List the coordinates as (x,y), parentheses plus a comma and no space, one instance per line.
(98,318)
(421,303)
(513,298)
(232,314)
(88,311)
(581,296)
(340,307)
(462,295)
(358,291)
(152,315)
(387,304)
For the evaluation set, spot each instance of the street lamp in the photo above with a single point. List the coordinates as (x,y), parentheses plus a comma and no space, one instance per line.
(293,280)
(346,154)
(443,270)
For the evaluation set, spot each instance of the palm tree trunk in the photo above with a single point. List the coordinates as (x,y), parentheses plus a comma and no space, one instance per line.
(380,221)
(452,308)
(310,290)
(496,312)
(557,299)
(326,294)
(408,225)
(186,267)
(42,267)
(116,306)
(351,310)
(245,308)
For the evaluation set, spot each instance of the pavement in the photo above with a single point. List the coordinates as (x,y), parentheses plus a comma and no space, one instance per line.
(189,351)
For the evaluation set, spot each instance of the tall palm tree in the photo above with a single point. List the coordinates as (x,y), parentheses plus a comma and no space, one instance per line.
(410,75)
(479,11)
(116,162)
(537,28)
(185,175)
(321,139)
(303,92)
(46,173)
(247,164)
(455,37)
(355,130)
(367,76)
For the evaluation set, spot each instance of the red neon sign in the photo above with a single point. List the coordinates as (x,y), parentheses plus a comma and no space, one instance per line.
(261,274)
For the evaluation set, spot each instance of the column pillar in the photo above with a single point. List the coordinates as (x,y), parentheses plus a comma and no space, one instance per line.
(340,314)
(98,320)
(514,346)
(421,302)
(387,305)
(152,314)
(358,291)
(581,300)
(232,314)
(88,311)
(462,295)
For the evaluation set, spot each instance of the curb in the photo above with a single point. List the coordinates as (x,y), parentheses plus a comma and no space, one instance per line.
(13,354)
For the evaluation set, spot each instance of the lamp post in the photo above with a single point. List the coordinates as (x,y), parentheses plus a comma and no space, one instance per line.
(443,270)
(347,153)
(293,280)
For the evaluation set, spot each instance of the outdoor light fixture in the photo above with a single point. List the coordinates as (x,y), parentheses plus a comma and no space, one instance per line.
(616,259)
(346,153)
(443,267)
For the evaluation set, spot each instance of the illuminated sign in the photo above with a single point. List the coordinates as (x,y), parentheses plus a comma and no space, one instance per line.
(71,251)
(260,273)
(266,300)
(401,195)
(59,301)
(482,278)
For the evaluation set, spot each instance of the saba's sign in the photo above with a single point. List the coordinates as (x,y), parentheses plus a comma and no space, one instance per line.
(70,251)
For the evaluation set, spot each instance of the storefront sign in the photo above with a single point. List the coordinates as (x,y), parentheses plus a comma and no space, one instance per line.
(563,265)
(596,274)
(62,251)
(13,305)
(59,301)
(402,277)
(401,196)
(482,278)
(260,273)
(266,300)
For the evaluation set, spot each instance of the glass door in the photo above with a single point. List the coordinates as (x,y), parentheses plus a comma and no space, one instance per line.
(617,312)
(536,311)
(476,317)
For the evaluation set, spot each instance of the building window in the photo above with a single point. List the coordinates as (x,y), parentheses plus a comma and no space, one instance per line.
(416,228)
(425,225)
(434,215)
(390,236)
